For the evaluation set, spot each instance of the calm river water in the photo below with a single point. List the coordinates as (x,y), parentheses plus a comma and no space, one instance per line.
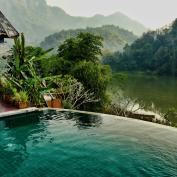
(158,94)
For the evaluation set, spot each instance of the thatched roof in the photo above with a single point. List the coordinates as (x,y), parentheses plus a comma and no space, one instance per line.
(6,29)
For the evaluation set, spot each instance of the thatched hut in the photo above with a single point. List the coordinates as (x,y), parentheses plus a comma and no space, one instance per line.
(6,29)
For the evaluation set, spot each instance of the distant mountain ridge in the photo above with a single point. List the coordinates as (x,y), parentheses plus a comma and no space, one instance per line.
(37,19)
(114,38)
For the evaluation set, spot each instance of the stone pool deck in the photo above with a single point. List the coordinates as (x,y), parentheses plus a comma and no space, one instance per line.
(17,112)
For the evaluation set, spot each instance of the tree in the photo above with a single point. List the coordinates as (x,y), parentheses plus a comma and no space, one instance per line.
(154,52)
(95,78)
(55,65)
(85,46)
(83,54)
(79,57)
(111,60)
(38,55)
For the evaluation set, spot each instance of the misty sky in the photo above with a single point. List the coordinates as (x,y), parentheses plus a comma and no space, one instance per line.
(152,13)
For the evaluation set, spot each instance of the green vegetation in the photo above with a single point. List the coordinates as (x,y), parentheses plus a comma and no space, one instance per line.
(22,74)
(71,92)
(79,57)
(84,47)
(75,77)
(154,94)
(171,116)
(155,52)
(22,96)
(114,38)
(38,20)
(33,73)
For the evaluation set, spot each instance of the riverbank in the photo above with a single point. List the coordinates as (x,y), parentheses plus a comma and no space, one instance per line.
(156,94)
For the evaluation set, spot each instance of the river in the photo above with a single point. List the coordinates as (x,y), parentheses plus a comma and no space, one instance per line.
(157,94)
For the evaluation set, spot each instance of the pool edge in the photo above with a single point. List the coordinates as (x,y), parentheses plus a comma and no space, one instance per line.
(34,109)
(16,112)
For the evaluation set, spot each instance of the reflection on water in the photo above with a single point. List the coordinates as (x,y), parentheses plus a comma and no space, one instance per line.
(13,144)
(160,91)
(81,120)
(88,121)
(157,94)
(17,132)
(84,120)
(21,120)
(73,144)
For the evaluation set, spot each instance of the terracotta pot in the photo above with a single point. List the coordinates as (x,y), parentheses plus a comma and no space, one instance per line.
(56,103)
(22,105)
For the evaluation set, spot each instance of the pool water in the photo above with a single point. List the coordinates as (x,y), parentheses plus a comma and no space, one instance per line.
(66,144)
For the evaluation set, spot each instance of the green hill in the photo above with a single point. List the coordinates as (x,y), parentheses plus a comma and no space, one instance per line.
(37,19)
(155,52)
(114,37)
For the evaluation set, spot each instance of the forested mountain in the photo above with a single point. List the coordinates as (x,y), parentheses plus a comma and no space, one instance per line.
(155,52)
(114,37)
(37,19)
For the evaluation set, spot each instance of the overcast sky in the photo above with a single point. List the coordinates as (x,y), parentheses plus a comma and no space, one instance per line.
(152,13)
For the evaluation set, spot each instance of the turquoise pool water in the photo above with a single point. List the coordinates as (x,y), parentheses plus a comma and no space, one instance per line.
(65,144)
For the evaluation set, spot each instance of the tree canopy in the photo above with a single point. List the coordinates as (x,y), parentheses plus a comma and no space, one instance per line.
(155,52)
(85,46)
(80,58)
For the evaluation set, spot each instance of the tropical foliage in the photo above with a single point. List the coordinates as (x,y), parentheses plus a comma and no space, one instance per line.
(80,57)
(22,74)
(75,74)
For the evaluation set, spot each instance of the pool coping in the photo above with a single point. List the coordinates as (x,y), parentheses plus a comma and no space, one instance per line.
(116,117)
(34,109)
(16,112)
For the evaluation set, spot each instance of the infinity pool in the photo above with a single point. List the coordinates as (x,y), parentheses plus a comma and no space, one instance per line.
(66,144)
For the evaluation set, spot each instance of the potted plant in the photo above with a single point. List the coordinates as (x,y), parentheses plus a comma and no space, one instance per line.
(21,99)
(56,103)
